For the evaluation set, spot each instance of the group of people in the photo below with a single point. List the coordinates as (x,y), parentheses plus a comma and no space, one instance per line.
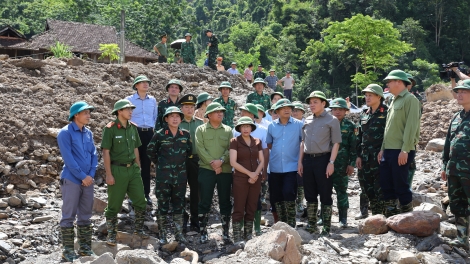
(193,140)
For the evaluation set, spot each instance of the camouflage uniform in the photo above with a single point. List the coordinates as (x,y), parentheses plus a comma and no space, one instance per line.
(369,141)
(188,52)
(230,108)
(213,51)
(162,106)
(262,99)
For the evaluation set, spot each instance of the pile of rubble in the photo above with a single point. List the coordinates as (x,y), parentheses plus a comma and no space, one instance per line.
(436,118)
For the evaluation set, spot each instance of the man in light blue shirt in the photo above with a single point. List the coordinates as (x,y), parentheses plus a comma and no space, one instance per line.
(144,117)
(76,180)
(284,137)
(233,70)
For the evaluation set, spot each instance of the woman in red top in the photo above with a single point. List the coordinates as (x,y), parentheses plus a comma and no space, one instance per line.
(246,157)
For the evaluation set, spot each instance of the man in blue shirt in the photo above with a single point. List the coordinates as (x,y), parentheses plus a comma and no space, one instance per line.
(233,70)
(144,116)
(76,180)
(284,137)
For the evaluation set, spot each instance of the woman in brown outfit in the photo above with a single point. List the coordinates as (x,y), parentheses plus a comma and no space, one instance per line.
(246,157)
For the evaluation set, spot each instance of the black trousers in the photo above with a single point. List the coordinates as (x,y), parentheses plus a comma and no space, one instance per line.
(394,178)
(282,186)
(145,137)
(192,170)
(162,59)
(315,181)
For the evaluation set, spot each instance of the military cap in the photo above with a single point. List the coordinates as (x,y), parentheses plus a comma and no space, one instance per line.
(299,105)
(121,104)
(339,103)
(250,108)
(245,121)
(282,103)
(208,30)
(270,110)
(374,88)
(261,109)
(317,94)
(77,107)
(259,80)
(272,70)
(225,85)
(411,78)
(202,97)
(140,78)
(188,99)
(287,72)
(212,107)
(188,35)
(398,75)
(174,81)
(278,93)
(464,85)
(173,109)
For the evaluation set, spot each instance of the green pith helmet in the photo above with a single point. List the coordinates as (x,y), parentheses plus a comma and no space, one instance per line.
(121,104)
(77,107)
(299,105)
(245,121)
(261,108)
(250,108)
(189,99)
(140,78)
(270,110)
(319,95)
(374,88)
(188,35)
(276,93)
(411,78)
(226,85)
(282,103)
(339,103)
(174,81)
(259,80)
(173,109)
(212,107)
(464,85)
(202,97)
(398,75)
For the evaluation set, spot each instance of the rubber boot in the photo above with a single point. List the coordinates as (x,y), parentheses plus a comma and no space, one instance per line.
(139,224)
(185,222)
(312,209)
(248,230)
(320,217)
(194,226)
(390,208)
(376,206)
(276,217)
(178,221)
(363,207)
(68,237)
(462,224)
(291,213)
(257,222)
(203,218)
(84,240)
(300,199)
(406,208)
(237,232)
(343,217)
(162,232)
(226,227)
(281,211)
(111,225)
(327,212)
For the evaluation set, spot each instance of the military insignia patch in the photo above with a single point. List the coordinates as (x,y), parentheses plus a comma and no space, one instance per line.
(190,98)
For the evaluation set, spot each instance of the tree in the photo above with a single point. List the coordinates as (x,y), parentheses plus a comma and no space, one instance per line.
(110,51)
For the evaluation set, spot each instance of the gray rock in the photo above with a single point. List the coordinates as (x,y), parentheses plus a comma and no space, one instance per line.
(304,235)
(429,243)
(4,246)
(402,257)
(433,208)
(381,252)
(23,172)
(448,230)
(212,256)
(106,258)
(430,258)
(14,201)
(22,198)
(39,200)
(3,236)
(3,204)
(436,145)
(12,159)
(138,256)
(41,219)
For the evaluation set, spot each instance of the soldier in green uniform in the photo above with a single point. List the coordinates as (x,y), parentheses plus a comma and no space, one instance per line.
(260,73)
(213,46)
(161,49)
(189,123)
(258,96)
(122,165)
(168,150)
(412,169)
(188,50)
(369,140)
(230,106)
(345,161)
(456,165)
(174,88)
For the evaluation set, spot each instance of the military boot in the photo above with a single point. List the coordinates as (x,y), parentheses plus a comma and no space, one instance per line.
(290,208)
(327,212)
(300,199)
(257,222)
(162,232)
(139,224)
(320,217)
(248,230)
(376,206)
(390,208)
(237,232)
(68,237)
(343,217)
(185,222)
(363,207)
(462,224)
(312,209)
(178,221)
(111,225)
(406,208)
(194,226)
(84,240)
(281,211)
(226,226)
(203,218)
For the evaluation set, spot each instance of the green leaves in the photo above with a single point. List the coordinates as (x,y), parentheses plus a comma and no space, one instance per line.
(61,50)
(110,51)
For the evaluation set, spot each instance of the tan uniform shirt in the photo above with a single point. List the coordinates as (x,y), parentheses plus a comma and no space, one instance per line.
(320,133)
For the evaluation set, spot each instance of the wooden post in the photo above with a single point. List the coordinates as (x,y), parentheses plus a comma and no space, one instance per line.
(123,40)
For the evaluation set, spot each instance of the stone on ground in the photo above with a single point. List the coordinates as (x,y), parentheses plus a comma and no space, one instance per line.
(436,145)
(402,257)
(376,224)
(138,256)
(416,223)
(432,208)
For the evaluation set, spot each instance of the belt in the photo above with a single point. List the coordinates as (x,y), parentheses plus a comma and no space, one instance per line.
(145,129)
(193,156)
(122,164)
(313,155)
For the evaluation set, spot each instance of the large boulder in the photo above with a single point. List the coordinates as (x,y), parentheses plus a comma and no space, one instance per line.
(418,223)
(436,145)
(289,230)
(432,208)
(376,224)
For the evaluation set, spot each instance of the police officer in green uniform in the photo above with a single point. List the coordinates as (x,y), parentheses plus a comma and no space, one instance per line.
(345,161)
(122,165)
(456,165)
(174,88)
(188,50)
(213,46)
(230,106)
(369,141)
(168,150)
(258,96)
(189,123)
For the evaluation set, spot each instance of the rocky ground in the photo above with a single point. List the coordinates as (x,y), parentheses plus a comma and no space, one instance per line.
(37,96)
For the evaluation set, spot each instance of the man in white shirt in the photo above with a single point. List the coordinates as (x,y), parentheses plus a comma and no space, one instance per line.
(287,83)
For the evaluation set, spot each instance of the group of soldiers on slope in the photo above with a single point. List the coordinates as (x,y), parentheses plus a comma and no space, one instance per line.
(321,150)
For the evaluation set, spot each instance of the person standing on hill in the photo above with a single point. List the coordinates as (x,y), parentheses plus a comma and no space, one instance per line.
(161,49)
(188,50)
(213,46)
(174,89)
(259,73)
(248,74)
(272,80)
(287,83)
